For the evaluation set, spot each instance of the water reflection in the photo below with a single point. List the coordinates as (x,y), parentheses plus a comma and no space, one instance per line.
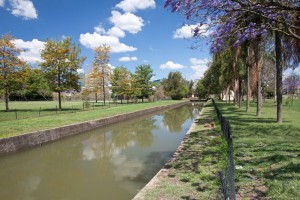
(174,119)
(107,163)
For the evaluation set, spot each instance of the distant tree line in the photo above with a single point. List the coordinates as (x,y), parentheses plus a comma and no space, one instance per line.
(58,72)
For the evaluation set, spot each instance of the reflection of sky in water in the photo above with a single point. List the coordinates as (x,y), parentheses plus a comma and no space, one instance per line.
(112,162)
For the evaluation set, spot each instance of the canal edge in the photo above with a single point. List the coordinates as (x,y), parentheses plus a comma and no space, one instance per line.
(38,138)
(147,188)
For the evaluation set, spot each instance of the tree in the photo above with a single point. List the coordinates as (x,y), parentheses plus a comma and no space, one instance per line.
(201,91)
(13,71)
(175,86)
(246,20)
(122,82)
(101,72)
(143,74)
(61,60)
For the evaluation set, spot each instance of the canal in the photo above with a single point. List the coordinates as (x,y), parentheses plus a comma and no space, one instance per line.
(112,162)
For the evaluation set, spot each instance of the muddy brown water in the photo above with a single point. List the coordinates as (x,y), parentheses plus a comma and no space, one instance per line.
(112,162)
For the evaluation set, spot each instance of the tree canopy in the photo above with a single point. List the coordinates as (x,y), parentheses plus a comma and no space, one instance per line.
(61,60)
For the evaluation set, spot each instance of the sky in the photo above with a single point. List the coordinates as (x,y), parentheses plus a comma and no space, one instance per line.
(138,31)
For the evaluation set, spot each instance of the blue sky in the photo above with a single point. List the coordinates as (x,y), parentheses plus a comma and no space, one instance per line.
(139,32)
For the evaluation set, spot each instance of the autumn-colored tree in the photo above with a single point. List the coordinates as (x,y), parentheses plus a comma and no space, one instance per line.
(122,83)
(92,85)
(61,60)
(101,71)
(12,69)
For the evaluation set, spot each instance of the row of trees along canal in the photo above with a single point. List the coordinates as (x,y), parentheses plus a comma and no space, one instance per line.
(58,73)
(246,36)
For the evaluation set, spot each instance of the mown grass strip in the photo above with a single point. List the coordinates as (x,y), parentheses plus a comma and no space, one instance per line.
(267,154)
(12,128)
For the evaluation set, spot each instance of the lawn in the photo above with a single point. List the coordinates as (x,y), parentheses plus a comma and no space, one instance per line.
(267,154)
(25,125)
(30,109)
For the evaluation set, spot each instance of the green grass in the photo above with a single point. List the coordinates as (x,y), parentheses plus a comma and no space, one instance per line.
(193,172)
(17,127)
(267,153)
(30,109)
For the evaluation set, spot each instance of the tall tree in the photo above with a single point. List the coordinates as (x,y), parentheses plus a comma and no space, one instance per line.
(262,18)
(101,72)
(61,60)
(143,74)
(121,82)
(175,86)
(12,69)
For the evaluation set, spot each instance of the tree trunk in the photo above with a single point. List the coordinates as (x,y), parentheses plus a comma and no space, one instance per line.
(258,106)
(258,66)
(236,91)
(248,90)
(6,96)
(278,55)
(103,89)
(59,100)
(240,92)
(96,98)
(226,93)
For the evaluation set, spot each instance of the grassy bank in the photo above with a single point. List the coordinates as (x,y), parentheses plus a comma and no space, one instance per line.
(31,109)
(12,128)
(193,171)
(267,154)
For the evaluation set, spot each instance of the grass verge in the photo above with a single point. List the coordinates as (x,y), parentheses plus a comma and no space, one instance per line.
(267,154)
(9,128)
(193,171)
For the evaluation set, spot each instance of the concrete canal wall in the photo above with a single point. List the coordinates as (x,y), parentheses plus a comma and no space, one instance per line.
(16,143)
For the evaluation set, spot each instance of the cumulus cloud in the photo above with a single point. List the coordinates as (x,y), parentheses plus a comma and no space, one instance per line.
(171,65)
(134,5)
(23,8)
(127,21)
(187,31)
(93,40)
(116,31)
(32,50)
(127,59)
(199,66)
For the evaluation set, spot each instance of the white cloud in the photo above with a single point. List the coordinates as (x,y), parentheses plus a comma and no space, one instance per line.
(2,3)
(99,29)
(23,8)
(199,66)
(187,31)
(127,21)
(171,65)
(32,53)
(134,5)
(93,40)
(127,59)
(116,31)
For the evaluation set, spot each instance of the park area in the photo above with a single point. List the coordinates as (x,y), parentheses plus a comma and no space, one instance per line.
(266,156)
